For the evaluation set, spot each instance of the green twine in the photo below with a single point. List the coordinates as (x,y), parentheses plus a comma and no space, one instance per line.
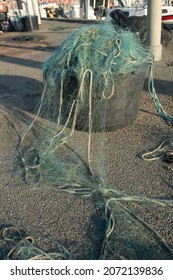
(94,55)
(157,103)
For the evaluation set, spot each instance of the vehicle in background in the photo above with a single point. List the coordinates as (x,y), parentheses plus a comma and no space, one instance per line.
(45,8)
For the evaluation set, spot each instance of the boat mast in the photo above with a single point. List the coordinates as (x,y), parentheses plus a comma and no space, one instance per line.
(122,3)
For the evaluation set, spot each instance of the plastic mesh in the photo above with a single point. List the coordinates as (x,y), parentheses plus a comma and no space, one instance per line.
(79,76)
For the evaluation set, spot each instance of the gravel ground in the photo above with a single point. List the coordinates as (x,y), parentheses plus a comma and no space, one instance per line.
(51,216)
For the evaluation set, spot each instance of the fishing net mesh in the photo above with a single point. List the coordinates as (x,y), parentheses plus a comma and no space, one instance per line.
(15,246)
(80,78)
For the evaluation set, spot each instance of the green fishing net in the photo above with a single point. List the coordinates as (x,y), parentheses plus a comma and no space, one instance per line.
(81,78)
(15,246)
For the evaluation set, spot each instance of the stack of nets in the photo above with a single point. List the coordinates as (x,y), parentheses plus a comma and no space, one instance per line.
(87,69)
(81,70)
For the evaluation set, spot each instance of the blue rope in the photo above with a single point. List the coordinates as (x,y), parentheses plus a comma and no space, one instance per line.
(153,94)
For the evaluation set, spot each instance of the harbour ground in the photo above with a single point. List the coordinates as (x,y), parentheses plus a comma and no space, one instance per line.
(51,216)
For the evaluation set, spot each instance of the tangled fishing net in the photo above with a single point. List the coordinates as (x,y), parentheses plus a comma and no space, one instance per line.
(15,246)
(80,78)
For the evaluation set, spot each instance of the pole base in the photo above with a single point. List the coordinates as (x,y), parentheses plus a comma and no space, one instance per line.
(157,52)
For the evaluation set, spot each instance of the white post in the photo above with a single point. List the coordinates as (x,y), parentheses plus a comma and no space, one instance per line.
(154,28)
(87,8)
(30,12)
(36,10)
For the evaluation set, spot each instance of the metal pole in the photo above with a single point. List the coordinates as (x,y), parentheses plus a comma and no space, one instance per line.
(29,15)
(154,18)
(81,8)
(87,3)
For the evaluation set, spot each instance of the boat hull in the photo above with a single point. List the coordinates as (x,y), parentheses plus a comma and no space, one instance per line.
(167,19)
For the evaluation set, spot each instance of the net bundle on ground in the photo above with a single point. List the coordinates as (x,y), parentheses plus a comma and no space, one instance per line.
(81,74)
(15,246)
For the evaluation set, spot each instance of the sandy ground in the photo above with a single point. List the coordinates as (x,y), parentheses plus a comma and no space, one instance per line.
(49,215)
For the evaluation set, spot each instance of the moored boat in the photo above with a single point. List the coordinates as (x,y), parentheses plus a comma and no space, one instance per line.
(167,12)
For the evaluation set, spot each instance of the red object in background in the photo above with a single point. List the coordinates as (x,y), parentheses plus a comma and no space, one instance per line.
(3,8)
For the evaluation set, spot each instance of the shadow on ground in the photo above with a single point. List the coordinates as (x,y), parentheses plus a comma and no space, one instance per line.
(20,92)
